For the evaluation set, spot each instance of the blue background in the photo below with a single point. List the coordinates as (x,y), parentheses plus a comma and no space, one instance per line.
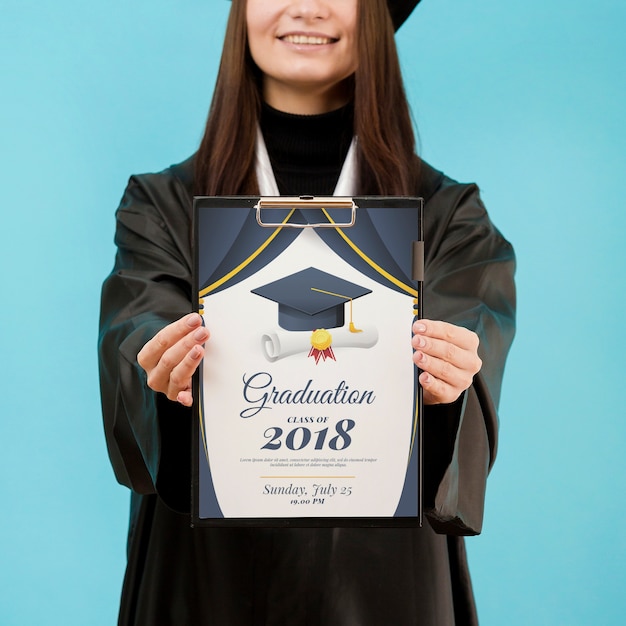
(527,98)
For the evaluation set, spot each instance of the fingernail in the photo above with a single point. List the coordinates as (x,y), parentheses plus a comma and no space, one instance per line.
(419,327)
(182,399)
(420,342)
(200,334)
(193,320)
(425,379)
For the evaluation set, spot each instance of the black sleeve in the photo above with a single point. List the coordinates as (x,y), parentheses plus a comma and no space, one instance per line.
(150,286)
(469,282)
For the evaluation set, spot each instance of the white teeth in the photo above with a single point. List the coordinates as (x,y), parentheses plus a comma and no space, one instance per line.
(305,39)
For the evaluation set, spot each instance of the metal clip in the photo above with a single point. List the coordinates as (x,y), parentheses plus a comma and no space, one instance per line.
(306,202)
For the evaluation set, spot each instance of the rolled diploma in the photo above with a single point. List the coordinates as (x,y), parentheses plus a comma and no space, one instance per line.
(279,344)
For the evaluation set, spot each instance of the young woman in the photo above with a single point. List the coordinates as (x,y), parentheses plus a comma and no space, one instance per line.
(299,79)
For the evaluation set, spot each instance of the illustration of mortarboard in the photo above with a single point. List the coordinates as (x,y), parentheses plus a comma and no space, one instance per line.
(311,299)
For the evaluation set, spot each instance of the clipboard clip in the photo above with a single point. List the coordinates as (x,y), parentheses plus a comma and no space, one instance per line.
(305,202)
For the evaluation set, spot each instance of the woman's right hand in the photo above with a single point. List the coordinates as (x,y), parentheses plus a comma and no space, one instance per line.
(172,356)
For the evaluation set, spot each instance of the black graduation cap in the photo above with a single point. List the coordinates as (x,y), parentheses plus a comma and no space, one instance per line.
(400,10)
(311,299)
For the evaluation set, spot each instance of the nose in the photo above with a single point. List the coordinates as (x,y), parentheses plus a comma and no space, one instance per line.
(309,10)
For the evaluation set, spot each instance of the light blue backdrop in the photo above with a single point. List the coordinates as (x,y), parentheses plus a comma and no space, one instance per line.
(527,98)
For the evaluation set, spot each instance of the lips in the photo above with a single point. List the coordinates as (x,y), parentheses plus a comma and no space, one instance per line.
(308,40)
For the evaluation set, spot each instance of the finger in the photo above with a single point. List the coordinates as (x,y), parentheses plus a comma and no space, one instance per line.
(446,351)
(172,357)
(160,376)
(185,398)
(436,391)
(181,375)
(443,370)
(457,377)
(150,355)
(457,335)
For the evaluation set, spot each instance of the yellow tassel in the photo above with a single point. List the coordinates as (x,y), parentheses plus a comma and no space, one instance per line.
(354,329)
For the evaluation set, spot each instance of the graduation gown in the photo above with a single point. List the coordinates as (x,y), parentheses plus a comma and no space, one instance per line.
(177,575)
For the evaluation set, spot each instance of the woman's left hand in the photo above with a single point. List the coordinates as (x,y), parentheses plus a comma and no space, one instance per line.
(448,357)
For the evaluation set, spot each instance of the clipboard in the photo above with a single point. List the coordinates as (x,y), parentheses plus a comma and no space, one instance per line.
(307,406)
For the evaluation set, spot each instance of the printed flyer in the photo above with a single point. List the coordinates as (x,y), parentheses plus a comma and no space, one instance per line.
(307,398)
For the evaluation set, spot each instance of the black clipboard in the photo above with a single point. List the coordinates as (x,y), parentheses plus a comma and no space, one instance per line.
(236,239)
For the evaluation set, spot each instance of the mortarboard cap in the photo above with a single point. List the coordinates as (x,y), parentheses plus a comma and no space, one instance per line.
(311,299)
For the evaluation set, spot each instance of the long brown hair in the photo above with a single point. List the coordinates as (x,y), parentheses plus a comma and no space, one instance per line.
(382,122)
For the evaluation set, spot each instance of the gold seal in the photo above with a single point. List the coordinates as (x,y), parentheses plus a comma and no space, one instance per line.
(321,339)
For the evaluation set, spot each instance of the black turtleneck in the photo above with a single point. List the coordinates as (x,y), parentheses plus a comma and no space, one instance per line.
(307,151)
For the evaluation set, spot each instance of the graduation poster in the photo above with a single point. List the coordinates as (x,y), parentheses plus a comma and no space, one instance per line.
(307,398)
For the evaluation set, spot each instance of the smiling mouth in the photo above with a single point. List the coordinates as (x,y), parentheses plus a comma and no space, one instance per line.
(308,40)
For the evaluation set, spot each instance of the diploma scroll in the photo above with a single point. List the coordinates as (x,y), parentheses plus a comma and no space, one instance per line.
(279,344)
(307,403)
